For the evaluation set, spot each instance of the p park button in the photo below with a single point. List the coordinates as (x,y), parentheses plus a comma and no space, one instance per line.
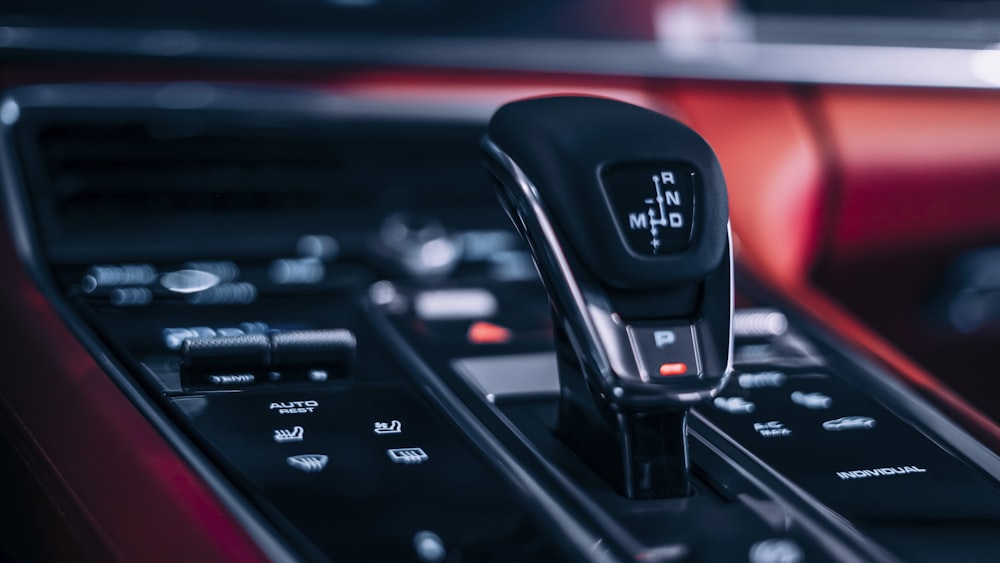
(665,352)
(654,205)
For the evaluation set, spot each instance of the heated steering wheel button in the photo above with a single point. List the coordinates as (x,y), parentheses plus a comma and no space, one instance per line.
(654,206)
(665,352)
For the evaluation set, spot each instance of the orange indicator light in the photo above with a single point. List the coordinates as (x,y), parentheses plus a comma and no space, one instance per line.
(483,332)
(679,368)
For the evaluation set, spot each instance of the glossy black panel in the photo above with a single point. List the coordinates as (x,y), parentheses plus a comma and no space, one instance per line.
(862,461)
(364,471)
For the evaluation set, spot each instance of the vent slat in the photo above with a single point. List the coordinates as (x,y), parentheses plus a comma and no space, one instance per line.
(127,173)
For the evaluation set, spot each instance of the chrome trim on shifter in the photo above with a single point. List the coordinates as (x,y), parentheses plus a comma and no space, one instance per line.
(570,291)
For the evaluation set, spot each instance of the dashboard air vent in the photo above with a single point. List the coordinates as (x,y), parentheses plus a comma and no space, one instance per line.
(136,184)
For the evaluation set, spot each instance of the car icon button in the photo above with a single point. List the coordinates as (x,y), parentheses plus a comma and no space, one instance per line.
(849,423)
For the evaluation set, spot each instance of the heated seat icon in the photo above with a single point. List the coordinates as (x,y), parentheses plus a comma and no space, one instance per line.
(283,435)
(308,463)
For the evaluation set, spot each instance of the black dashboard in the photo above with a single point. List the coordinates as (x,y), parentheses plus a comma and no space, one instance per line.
(323,307)
(262,300)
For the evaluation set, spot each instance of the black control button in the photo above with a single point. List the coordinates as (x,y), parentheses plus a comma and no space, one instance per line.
(225,353)
(312,348)
(654,205)
(665,352)
(301,354)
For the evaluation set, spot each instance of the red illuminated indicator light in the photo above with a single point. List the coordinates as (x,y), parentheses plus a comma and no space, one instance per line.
(679,368)
(482,332)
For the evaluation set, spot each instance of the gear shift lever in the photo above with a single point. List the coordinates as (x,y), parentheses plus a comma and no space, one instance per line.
(626,215)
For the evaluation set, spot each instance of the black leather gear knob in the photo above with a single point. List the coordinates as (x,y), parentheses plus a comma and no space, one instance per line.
(626,215)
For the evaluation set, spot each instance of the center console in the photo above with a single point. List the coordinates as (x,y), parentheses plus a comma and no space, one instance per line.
(325,299)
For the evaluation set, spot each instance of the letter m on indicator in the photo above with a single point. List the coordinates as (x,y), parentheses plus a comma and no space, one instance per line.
(638,221)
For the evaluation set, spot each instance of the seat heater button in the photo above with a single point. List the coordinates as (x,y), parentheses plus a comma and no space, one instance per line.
(308,463)
(393,427)
(286,435)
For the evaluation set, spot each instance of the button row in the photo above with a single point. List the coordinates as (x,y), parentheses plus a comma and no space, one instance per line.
(738,405)
(297,433)
(316,462)
(240,359)
(220,282)
(776,428)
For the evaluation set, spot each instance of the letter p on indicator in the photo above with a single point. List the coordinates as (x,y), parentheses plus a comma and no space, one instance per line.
(664,338)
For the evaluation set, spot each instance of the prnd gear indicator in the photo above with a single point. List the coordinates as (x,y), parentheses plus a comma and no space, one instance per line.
(654,205)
